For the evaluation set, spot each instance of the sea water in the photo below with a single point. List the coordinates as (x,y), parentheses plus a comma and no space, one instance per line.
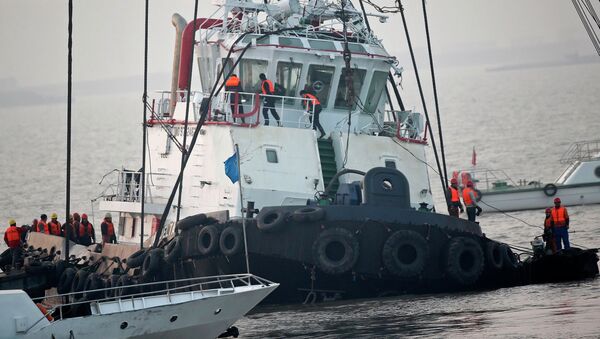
(519,121)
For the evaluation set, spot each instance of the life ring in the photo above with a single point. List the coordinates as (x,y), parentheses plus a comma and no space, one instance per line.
(464,261)
(111,284)
(308,214)
(550,190)
(136,259)
(173,250)
(405,253)
(93,282)
(208,240)
(231,241)
(269,220)
(152,262)
(494,255)
(45,312)
(335,251)
(195,220)
(66,280)
(478,195)
(510,259)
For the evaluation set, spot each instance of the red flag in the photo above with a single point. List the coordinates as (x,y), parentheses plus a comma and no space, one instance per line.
(474,157)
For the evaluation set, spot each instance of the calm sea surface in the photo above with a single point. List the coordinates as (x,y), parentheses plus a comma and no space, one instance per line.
(520,121)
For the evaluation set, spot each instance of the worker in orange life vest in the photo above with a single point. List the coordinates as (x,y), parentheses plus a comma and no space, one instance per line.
(470,200)
(72,230)
(86,233)
(12,238)
(54,225)
(42,225)
(108,230)
(549,232)
(268,89)
(560,219)
(234,86)
(34,225)
(313,105)
(454,204)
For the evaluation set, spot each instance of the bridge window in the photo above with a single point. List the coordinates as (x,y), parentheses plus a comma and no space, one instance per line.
(259,39)
(290,42)
(288,76)
(319,82)
(249,72)
(390,164)
(272,156)
(375,90)
(356,48)
(358,77)
(322,44)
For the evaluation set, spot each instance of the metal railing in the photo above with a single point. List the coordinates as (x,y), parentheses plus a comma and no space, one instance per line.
(581,151)
(201,285)
(125,186)
(496,179)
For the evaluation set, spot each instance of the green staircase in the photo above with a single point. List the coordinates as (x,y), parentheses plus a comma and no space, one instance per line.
(328,165)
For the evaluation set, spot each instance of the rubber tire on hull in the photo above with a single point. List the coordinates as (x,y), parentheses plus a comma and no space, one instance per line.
(208,240)
(405,253)
(136,259)
(511,261)
(61,266)
(173,250)
(231,241)
(152,262)
(464,261)
(94,282)
(494,255)
(195,220)
(125,286)
(550,190)
(329,262)
(79,282)
(112,281)
(66,280)
(270,220)
(308,214)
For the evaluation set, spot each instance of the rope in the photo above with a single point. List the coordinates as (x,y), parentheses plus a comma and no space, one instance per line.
(508,215)
(349,85)
(144,127)
(69,92)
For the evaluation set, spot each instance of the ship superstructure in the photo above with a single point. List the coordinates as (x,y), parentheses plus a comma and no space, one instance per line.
(298,46)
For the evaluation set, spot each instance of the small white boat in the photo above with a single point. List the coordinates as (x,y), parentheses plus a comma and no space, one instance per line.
(579,184)
(188,308)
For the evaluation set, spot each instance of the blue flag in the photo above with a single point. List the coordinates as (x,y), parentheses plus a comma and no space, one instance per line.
(231,168)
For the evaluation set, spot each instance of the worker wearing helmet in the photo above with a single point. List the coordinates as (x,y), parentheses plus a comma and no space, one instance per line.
(54,225)
(549,232)
(108,230)
(560,218)
(470,199)
(12,238)
(87,235)
(454,204)
(42,225)
(69,227)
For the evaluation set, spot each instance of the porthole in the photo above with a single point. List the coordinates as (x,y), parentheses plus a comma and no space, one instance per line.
(173,318)
(124,325)
(217,311)
(272,156)
(597,171)
(387,184)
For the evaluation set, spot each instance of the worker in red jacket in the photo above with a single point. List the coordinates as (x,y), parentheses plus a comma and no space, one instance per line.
(108,230)
(454,204)
(560,218)
(12,238)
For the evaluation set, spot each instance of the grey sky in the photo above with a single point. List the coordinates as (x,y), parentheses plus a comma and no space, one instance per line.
(108,34)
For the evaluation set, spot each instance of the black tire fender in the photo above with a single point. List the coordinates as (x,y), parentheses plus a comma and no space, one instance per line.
(270,220)
(111,282)
(405,254)
(136,259)
(465,262)
(61,266)
(550,190)
(79,283)
(125,286)
(510,260)
(494,255)
(66,280)
(231,241)
(208,240)
(152,262)
(195,220)
(94,282)
(308,214)
(173,250)
(335,250)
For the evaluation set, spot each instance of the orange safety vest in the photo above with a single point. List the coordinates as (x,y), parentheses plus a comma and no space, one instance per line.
(110,229)
(559,215)
(83,231)
(13,237)
(39,227)
(233,81)
(55,228)
(454,197)
(270,89)
(313,101)
(548,223)
(467,196)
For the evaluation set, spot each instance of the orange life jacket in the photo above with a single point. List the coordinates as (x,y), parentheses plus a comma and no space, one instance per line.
(548,222)
(39,227)
(85,230)
(55,228)
(313,101)
(559,216)
(233,81)
(270,88)
(110,228)
(13,237)
(467,196)
(454,197)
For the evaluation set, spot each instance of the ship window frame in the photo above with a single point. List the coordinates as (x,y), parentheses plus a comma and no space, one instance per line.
(390,163)
(356,48)
(271,155)
(342,86)
(248,86)
(325,45)
(370,106)
(323,99)
(285,41)
(290,91)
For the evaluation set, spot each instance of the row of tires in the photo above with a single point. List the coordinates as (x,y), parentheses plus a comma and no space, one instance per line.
(405,254)
(83,284)
(271,220)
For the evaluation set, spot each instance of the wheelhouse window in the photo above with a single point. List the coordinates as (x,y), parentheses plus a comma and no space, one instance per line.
(358,77)
(319,82)
(356,48)
(272,156)
(290,42)
(375,91)
(288,76)
(249,72)
(322,44)
(259,39)
(390,164)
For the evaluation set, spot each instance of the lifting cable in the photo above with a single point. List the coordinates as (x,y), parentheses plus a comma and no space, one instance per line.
(187,111)
(349,81)
(586,24)
(144,127)
(412,56)
(435,96)
(69,92)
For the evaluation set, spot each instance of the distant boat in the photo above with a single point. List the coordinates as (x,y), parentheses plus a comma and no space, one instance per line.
(579,184)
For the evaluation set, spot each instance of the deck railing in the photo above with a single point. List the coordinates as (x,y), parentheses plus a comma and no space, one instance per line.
(581,151)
